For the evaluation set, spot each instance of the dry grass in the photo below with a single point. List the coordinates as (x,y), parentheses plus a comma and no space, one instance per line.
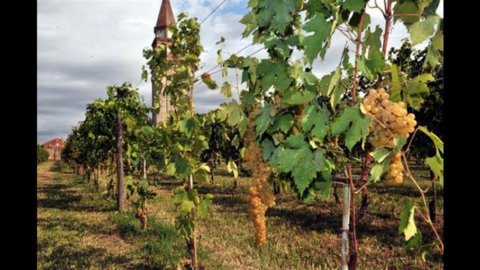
(299,236)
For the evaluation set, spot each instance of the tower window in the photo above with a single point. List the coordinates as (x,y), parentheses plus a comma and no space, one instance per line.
(160,33)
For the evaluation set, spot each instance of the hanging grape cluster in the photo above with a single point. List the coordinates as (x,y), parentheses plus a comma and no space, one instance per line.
(394,175)
(260,194)
(390,120)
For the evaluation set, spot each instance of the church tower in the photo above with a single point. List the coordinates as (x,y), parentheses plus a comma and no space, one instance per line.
(162,36)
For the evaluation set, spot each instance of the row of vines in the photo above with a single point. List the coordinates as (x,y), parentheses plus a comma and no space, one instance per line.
(288,125)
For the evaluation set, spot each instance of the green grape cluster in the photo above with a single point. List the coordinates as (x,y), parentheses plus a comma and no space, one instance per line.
(390,119)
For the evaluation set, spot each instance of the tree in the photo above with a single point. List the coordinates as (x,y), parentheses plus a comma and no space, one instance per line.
(182,138)
(42,154)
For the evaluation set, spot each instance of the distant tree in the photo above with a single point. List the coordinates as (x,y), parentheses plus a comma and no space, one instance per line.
(42,154)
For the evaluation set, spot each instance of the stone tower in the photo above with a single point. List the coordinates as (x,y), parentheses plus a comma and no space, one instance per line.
(162,36)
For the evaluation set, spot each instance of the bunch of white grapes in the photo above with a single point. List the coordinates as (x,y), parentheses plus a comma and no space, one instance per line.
(389,120)
(260,194)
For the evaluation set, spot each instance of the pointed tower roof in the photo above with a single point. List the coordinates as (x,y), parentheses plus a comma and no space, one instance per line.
(165,16)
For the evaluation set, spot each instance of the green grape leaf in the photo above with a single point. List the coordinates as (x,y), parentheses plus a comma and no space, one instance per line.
(204,206)
(416,89)
(380,154)
(182,166)
(226,90)
(334,81)
(303,170)
(319,161)
(379,169)
(186,207)
(282,122)
(398,143)
(358,129)
(339,90)
(435,139)
(296,142)
(414,241)
(370,67)
(435,164)
(188,126)
(267,149)
(354,5)
(372,41)
(316,122)
(273,74)
(232,167)
(233,113)
(406,7)
(396,86)
(250,22)
(422,30)
(297,98)
(282,17)
(264,119)
(314,43)
(407,222)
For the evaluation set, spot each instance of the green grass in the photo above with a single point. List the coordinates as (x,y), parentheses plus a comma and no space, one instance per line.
(159,245)
(299,236)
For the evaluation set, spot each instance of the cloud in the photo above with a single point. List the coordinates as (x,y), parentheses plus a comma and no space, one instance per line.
(83,46)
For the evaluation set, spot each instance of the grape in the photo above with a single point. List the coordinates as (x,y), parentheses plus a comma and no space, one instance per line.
(394,121)
(260,195)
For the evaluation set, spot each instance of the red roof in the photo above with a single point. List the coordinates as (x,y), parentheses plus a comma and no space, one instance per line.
(165,16)
(53,143)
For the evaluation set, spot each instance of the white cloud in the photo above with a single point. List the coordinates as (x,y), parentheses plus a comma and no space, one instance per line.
(85,45)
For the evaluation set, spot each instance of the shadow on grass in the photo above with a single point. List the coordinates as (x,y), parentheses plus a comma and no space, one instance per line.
(59,166)
(69,256)
(60,196)
(70,223)
(400,190)
(308,219)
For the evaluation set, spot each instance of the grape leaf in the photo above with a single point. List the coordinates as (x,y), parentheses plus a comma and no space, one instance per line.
(358,129)
(282,122)
(296,142)
(372,41)
(406,7)
(303,171)
(226,90)
(370,67)
(204,206)
(267,149)
(273,73)
(436,140)
(378,170)
(188,126)
(380,154)
(407,222)
(354,5)
(319,160)
(282,17)
(297,98)
(264,120)
(321,30)
(422,30)
(316,122)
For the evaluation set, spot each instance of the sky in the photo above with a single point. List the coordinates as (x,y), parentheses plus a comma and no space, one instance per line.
(85,45)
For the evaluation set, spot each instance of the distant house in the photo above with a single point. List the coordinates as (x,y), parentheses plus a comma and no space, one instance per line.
(54,148)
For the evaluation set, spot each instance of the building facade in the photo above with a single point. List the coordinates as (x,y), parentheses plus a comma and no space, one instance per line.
(54,148)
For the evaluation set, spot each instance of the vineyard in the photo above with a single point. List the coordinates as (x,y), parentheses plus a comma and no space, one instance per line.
(341,171)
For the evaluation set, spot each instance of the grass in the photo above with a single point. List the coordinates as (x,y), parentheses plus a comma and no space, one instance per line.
(77,223)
